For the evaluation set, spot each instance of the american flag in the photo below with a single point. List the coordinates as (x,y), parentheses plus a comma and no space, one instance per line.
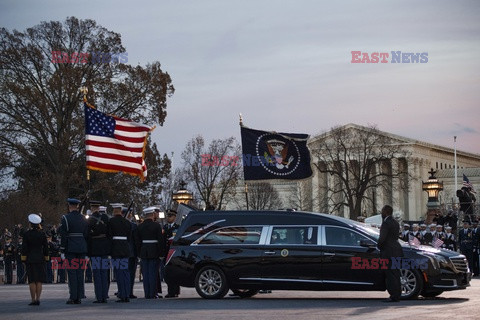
(466,183)
(413,241)
(437,243)
(114,144)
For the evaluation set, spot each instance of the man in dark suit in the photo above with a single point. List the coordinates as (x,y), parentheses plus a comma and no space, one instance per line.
(465,240)
(390,248)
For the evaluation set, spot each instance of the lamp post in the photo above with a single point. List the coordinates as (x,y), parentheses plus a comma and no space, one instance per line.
(182,195)
(432,186)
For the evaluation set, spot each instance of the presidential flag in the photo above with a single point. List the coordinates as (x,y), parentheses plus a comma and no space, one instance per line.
(466,183)
(114,144)
(413,241)
(272,155)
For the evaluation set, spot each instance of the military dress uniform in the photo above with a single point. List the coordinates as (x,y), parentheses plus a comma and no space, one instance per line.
(170,229)
(8,259)
(21,276)
(74,232)
(99,247)
(150,246)
(132,261)
(476,249)
(120,232)
(465,239)
(450,242)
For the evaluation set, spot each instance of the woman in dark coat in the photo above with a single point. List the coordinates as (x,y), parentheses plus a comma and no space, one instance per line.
(34,254)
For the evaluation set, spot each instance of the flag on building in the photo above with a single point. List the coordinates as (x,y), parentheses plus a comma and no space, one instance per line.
(413,241)
(466,183)
(437,243)
(272,155)
(114,144)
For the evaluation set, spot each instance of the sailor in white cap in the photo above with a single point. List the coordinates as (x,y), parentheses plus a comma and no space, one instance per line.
(35,254)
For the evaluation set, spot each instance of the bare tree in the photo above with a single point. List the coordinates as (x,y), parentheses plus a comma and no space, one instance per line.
(301,196)
(357,163)
(261,196)
(213,170)
(41,111)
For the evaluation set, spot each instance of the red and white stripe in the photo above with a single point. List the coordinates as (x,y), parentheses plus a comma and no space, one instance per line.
(122,153)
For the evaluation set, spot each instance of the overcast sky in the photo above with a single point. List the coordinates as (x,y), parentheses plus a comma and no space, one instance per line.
(286,65)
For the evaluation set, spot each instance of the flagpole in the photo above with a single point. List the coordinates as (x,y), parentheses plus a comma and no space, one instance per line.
(455,163)
(84,90)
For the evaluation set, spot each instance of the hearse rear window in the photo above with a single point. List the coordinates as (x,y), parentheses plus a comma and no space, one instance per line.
(234,235)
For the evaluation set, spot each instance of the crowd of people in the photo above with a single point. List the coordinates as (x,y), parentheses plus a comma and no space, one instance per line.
(97,248)
(443,233)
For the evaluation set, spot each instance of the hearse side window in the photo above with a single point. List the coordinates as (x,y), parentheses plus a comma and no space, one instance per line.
(234,235)
(294,235)
(342,237)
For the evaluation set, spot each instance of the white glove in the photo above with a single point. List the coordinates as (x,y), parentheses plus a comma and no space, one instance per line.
(62,255)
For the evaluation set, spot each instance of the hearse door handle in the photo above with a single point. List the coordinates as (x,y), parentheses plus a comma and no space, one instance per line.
(269,253)
(328,254)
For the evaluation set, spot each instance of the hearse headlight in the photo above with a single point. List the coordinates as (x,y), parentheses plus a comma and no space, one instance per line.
(436,260)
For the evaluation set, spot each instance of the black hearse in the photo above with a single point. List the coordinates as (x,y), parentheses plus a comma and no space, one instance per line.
(248,251)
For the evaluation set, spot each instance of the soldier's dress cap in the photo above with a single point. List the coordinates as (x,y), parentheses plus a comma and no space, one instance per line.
(73,201)
(406,225)
(149,210)
(102,209)
(34,218)
(448,228)
(117,205)
(171,212)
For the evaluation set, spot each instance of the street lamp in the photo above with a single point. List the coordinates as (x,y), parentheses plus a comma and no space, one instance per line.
(182,195)
(432,186)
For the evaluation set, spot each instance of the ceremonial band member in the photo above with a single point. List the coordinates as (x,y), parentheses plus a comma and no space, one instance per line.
(74,232)
(170,229)
(34,254)
(120,231)
(150,246)
(390,248)
(99,245)
(465,239)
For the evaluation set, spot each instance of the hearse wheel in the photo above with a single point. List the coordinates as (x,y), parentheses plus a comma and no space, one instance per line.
(211,283)
(411,282)
(245,293)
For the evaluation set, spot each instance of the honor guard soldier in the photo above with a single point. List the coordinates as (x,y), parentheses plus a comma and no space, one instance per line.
(34,254)
(476,239)
(99,245)
(450,242)
(73,232)
(170,229)
(8,258)
(20,268)
(132,261)
(465,239)
(150,246)
(416,232)
(428,236)
(405,232)
(120,232)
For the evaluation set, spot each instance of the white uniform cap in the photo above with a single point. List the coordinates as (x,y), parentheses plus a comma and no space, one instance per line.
(149,210)
(34,218)
(117,205)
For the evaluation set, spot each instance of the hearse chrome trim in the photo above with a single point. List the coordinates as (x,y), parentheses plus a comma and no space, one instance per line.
(308,281)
